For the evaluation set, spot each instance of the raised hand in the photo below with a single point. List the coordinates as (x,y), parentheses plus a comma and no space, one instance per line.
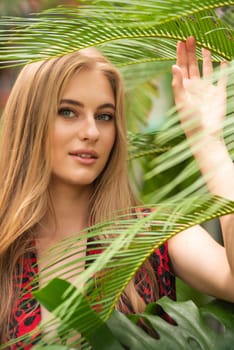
(201,104)
(202,107)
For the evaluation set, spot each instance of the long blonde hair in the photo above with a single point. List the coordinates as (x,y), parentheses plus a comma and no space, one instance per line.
(25,165)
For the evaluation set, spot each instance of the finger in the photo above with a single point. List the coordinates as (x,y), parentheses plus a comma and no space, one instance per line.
(177,85)
(193,69)
(222,82)
(207,67)
(181,54)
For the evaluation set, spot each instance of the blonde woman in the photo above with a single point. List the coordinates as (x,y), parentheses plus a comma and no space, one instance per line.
(64,162)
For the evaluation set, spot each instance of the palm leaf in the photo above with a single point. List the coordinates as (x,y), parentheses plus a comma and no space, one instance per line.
(79,28)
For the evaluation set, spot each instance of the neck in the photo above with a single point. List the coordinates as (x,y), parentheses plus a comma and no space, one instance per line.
(70,211)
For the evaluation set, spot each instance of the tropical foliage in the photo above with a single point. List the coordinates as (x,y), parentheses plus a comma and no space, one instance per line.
(140,38)
(210,327)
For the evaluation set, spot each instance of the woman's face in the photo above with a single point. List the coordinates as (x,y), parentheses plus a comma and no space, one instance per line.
(84,130)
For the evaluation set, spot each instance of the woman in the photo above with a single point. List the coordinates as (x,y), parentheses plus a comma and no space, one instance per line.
(64,161)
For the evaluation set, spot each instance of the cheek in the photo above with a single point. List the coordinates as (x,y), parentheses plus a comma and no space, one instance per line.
(60,134)
(58,139)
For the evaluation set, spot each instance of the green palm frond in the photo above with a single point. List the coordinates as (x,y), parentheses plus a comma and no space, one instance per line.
(62,30)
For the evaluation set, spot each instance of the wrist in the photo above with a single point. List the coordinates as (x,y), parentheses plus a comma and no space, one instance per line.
(207,145)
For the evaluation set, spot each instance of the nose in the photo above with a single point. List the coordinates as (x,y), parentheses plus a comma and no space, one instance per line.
(88,129)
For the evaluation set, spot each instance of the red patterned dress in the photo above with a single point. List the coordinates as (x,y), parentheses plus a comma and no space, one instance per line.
(27,314)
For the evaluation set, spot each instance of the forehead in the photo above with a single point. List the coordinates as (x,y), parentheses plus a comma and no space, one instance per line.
(89,84)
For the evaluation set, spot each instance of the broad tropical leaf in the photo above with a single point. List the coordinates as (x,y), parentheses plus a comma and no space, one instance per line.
(210,327)
(53,295)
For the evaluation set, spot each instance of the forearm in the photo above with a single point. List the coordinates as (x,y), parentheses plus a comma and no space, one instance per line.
(217,167)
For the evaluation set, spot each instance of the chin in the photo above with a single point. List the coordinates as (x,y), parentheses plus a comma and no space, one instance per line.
(85,182)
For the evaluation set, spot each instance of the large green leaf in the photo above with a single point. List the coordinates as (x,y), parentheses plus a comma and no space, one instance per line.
(210,327)
(99,336)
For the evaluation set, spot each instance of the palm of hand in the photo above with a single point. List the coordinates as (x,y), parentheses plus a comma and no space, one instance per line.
(201,104)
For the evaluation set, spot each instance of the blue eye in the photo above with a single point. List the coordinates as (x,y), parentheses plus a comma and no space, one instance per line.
(104,116)
(66,112)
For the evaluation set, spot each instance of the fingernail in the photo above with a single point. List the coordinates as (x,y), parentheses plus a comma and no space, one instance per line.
(191,38)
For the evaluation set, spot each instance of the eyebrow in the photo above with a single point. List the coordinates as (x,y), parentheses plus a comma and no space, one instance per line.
(80,104)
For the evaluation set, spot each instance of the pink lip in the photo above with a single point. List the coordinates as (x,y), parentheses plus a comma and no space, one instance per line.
(77,156)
